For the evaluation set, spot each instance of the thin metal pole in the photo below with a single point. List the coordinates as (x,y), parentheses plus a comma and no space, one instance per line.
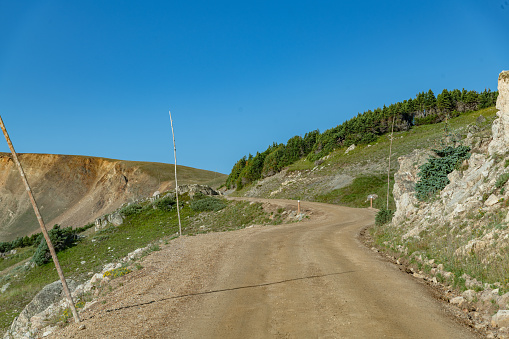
(41,223)
(389,170)
(176,182)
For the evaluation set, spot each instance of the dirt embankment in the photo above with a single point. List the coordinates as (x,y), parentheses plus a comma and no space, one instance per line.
(74,190)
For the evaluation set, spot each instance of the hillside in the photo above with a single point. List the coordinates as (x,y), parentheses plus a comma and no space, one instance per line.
(346,176)
(74,190)
(457,237)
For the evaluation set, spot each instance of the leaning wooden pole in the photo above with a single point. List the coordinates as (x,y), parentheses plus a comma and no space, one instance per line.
(176,182)
(41,223)
(389,170)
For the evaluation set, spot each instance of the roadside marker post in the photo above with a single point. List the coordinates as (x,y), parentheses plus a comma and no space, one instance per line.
(176,182)
(41,223)
(298,207)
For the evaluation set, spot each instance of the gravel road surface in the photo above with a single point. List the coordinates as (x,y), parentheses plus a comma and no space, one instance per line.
(312,279)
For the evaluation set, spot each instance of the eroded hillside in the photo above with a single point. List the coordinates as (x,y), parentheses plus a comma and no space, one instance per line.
(74,190)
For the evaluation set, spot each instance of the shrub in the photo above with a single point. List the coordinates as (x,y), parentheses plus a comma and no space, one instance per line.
(208,204)
(84,228)
(166,203)
(129,210)
(433,174)
(19,242)
(502,179)
(61,238)
(384,216)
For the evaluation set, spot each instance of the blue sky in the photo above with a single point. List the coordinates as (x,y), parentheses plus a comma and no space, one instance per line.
(98,77)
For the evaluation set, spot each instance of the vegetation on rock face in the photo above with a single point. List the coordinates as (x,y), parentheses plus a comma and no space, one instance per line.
(425,108)
(502,180)
(166,203)
(383,216)
(433,174)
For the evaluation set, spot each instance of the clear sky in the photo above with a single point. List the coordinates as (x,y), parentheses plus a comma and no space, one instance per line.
(98,77)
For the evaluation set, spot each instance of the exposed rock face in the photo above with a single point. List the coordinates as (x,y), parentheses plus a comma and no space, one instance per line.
(404,184)
(500,143)
(74,190)
(469,191)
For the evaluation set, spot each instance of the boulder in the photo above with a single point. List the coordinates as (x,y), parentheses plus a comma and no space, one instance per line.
(469,295)
(503,301)
(350,148)
(115,218)
(460,301)
(45,298)
(193,189)
(492,200)
(500,319)
(5,287)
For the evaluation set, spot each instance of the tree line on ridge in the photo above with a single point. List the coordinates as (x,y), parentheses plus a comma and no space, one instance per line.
(425,108)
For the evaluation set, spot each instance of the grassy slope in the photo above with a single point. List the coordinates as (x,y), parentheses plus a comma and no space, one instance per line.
(186,175)
(368,164)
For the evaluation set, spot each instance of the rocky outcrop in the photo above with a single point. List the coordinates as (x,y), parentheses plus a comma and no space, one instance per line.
(471,190)
(193,189)
(500,142)
(114,218)
(404,184)
(45,298)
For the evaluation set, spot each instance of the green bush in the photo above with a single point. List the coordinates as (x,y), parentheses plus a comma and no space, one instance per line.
(208,204)
(84,228)
(61,238)
(19,242)
(433,174)
(166,203)
(383,216)
(129,210)
(502,179)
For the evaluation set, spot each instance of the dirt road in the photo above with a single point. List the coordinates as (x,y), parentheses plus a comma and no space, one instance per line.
(311,279)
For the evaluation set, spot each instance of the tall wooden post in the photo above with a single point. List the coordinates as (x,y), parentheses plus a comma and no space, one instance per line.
(176,182)
(389,170)
(41,223)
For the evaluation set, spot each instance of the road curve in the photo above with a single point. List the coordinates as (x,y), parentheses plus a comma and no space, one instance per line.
(311,279)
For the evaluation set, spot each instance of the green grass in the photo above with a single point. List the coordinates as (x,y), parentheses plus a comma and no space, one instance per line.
(237,215)
(21,254)
(355,195)
(301,165)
